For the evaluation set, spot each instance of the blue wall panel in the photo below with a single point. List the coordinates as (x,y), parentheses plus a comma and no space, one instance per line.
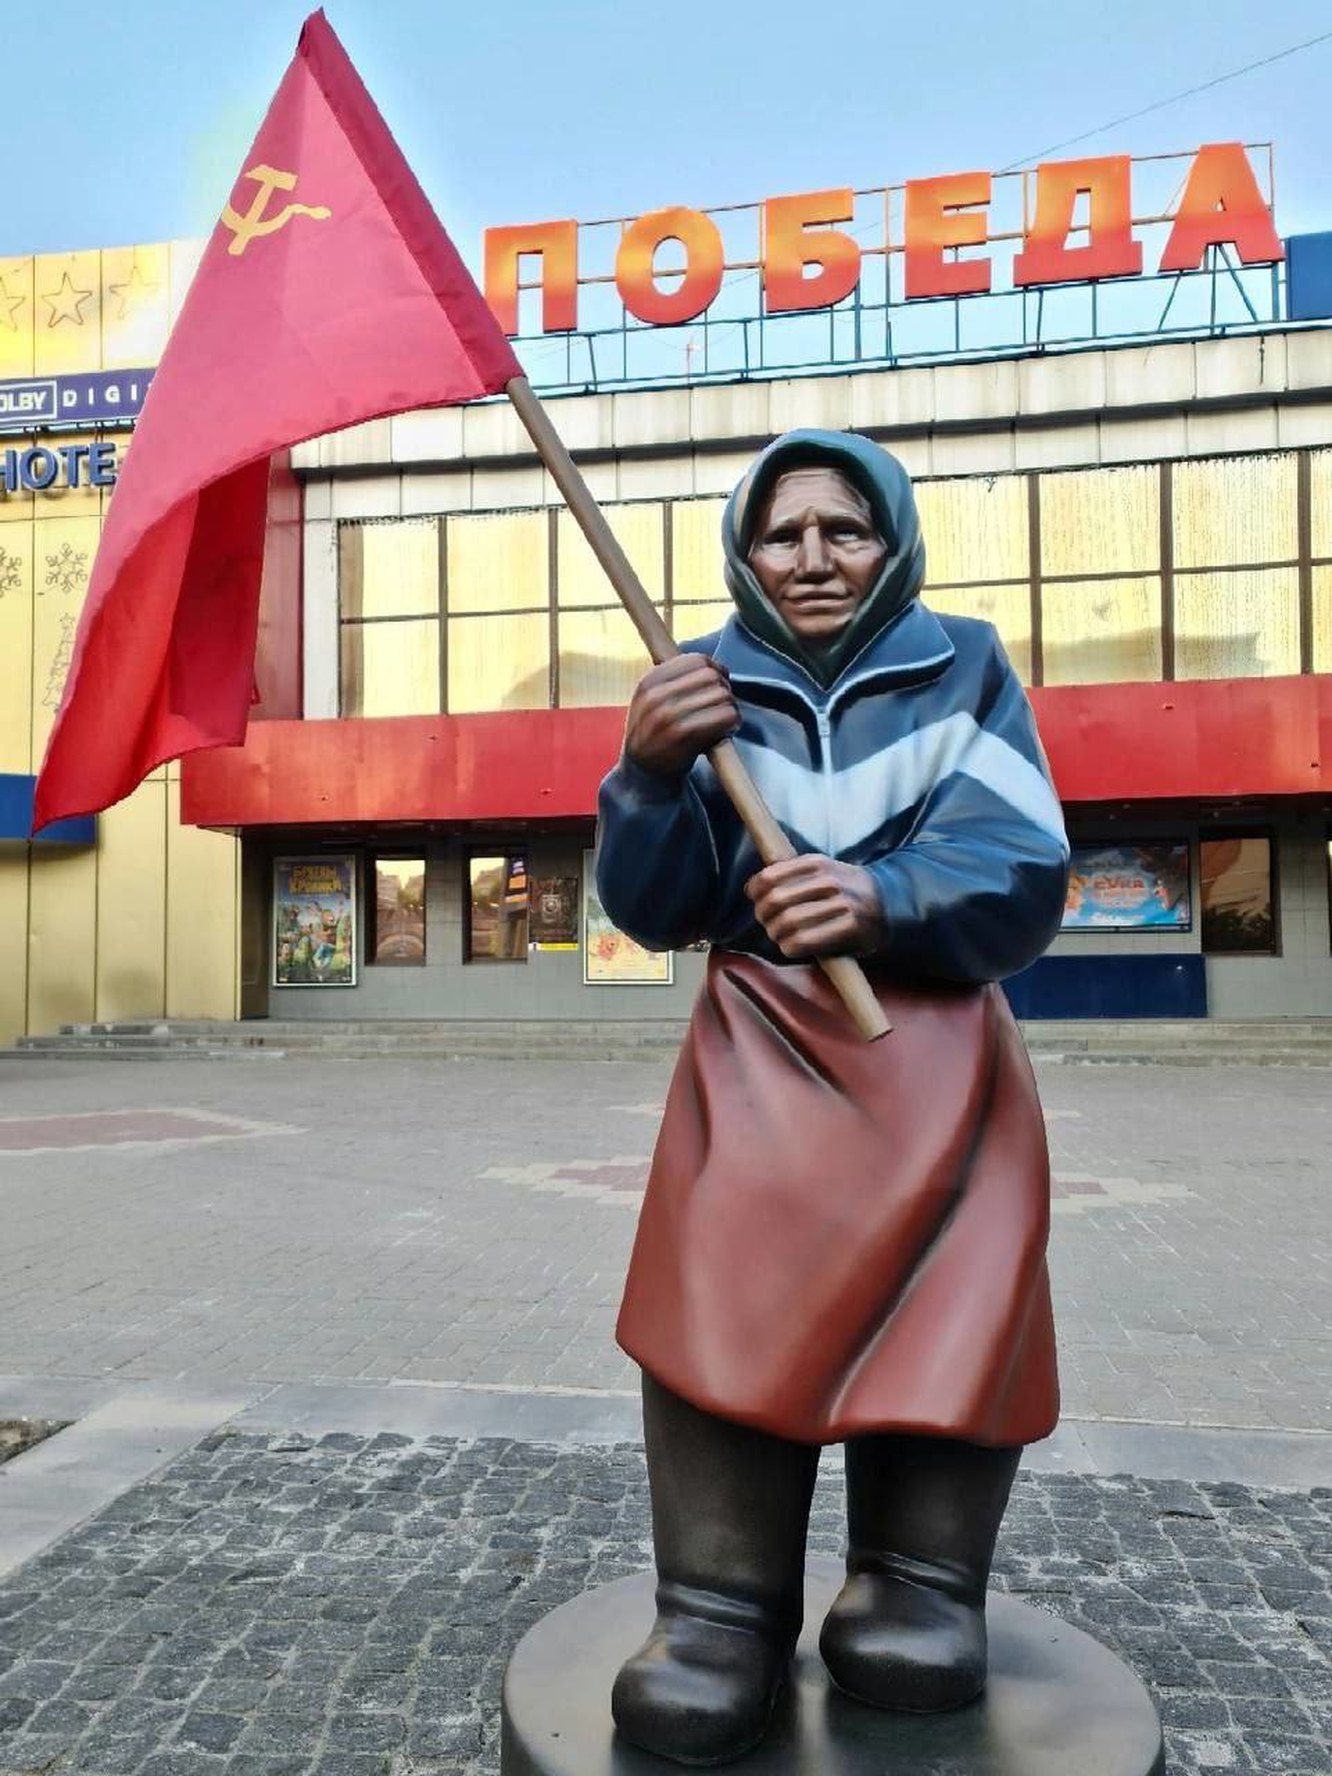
(1110,987)
(16,816)
(1309,277)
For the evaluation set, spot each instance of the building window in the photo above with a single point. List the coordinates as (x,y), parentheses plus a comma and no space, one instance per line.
(1217,567)
(977,532)
(1238,895)
(398,938)
(599,654)
(498,601)
(497,908)
(389,627)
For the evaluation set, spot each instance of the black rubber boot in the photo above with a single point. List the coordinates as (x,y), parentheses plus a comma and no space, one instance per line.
(730,1510)
(908,1628)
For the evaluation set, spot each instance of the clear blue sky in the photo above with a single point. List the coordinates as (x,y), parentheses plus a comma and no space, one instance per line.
(128,122)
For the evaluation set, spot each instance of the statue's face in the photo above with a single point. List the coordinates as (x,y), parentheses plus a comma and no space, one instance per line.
(816,552)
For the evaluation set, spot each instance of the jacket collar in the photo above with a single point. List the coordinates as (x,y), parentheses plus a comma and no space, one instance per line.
(910,650)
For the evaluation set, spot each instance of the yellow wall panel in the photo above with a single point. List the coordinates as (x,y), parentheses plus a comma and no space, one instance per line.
(498,562)
(499,663)
(16,317)
(689,621)
(13,930)
(68,305)
(63,549)
(202,919)
(1101,521)
(62,938)
(136,305)
(1231,510)
(389,570)
(16,608)
(1007,607)
(1101,631)
(1322,619)
(975,528)
(17,507)
(1320,499)
(696,553)
(639,531)
(183,258)
(602,658)
(1237,625)
(131,906)
(391,668)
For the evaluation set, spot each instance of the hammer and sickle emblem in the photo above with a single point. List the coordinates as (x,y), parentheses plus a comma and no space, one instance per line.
(255,222)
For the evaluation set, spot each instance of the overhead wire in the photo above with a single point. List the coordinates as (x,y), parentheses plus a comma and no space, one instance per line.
(1174,99)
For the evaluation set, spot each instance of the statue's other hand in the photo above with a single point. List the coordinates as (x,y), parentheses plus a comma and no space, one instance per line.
(678,710)
(816,906)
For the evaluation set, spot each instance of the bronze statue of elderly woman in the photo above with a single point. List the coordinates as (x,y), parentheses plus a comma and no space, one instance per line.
(841,1241)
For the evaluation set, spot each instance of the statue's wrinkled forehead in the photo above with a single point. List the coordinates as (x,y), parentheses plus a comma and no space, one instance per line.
(803,453)
(800,484)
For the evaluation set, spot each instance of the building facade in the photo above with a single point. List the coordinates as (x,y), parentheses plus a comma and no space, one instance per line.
(1150,529)
(443,672)
(135,912)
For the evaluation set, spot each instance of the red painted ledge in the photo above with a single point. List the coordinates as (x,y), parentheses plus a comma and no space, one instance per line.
(1215,739)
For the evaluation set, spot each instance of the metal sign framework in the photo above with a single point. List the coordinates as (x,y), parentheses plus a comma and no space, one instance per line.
(876,325)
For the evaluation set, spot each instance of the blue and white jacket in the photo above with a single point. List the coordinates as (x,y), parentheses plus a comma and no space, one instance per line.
(919,761)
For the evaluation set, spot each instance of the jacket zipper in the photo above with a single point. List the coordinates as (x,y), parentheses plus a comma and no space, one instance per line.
(823,721)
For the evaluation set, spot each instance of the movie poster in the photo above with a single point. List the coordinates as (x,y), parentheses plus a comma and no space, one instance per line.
(609,957)
(1129,888)
(553,913)
(314,922)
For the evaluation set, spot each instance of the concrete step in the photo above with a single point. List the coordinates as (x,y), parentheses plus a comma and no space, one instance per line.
(1185,1042)
(492,1047)
(642,1052)
(1213,1057)
(80,1052)
(1164,1044)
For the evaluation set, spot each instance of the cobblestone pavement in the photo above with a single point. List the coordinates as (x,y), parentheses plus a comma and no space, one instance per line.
(469,1222)
(271,1607)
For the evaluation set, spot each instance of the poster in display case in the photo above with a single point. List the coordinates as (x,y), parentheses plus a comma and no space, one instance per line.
(314,922)
(1129,888)
(553,913)
(610,957)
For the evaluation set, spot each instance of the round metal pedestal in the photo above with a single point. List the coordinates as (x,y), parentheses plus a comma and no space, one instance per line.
(1057,1703)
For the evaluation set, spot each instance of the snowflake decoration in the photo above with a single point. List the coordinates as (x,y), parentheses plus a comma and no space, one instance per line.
(10,577)
(67,569)
(55,678)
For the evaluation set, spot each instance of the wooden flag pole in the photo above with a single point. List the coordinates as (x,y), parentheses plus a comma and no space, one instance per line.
(770,841)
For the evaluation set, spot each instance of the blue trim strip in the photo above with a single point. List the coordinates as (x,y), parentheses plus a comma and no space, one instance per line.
(16,817)
(1309,277)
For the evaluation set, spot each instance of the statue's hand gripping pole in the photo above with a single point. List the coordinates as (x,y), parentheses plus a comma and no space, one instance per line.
(771,843)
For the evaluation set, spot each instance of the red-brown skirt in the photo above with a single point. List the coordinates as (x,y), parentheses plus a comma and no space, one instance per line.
(841,1236)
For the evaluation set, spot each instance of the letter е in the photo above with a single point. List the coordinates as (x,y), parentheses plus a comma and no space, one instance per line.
(940,213)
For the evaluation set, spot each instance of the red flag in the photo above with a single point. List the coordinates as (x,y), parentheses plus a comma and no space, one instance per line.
(328,294)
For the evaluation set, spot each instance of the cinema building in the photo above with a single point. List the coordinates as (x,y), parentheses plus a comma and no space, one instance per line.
(1128,472)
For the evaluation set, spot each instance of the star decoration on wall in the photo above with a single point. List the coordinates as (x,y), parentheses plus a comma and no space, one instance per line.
(9,307)
(67,569)
(128,293)
(66,303)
